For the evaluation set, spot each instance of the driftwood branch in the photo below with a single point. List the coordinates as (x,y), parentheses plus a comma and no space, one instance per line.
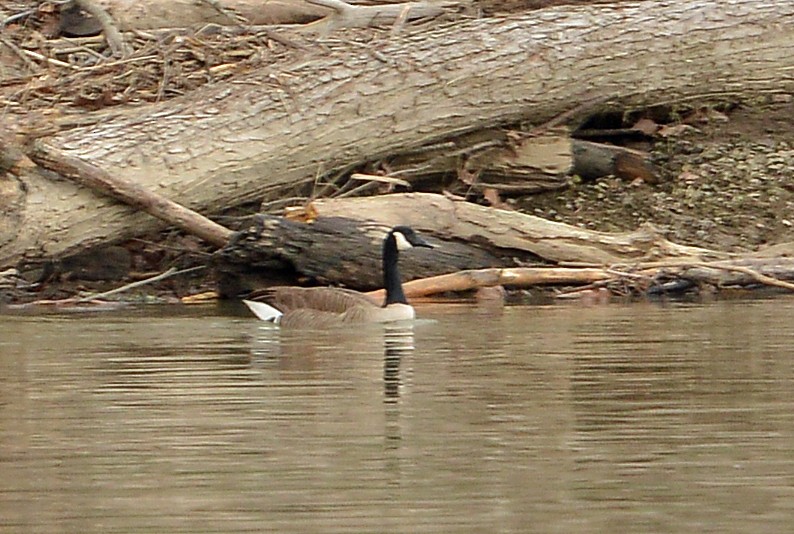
(514,277)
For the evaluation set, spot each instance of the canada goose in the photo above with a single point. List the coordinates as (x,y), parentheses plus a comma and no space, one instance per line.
(292,307)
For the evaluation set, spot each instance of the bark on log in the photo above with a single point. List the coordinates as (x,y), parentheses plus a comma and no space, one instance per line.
(283,125)
(389,14)
(594,160)
(131,194)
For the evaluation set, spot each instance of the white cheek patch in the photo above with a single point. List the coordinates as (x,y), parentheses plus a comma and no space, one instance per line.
(402,243)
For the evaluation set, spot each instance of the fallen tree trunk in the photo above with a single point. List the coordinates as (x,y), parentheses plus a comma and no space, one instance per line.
(131,194)
(281,126)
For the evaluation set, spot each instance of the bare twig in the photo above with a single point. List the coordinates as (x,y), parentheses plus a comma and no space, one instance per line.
(20,53)
(162,276)
(356,190)
(362,16)
(226,12)
(400,21)
(382,179)
(112,34)
(51,61)
(755,275)
(17,16)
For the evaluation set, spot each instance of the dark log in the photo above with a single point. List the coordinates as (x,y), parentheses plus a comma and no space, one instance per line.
(332,250)
(594,160)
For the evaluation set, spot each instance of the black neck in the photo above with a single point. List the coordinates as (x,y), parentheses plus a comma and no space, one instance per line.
(391,275)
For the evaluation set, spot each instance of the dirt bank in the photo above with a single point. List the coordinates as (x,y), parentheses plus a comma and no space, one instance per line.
(725,184)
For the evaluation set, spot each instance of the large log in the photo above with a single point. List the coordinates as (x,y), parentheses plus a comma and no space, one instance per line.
(284,124)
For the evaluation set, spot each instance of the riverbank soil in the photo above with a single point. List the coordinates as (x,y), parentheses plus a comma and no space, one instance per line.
(725,183)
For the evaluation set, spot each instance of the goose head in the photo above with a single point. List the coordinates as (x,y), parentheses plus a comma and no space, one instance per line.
(405,237)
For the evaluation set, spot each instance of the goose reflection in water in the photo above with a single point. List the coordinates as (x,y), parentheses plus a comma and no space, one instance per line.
(336,353)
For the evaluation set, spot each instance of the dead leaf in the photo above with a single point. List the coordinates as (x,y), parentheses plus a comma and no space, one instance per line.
(307,214)
(688,176)
(676,130)
(200,298)
(491,195)
(468,177)
(646,126)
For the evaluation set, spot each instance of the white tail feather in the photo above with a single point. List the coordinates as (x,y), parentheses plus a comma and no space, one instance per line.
(264,311)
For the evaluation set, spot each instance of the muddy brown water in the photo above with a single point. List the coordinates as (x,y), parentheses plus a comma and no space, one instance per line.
(638,418)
